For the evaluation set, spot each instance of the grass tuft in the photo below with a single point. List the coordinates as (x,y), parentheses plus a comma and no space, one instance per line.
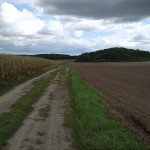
(44,112)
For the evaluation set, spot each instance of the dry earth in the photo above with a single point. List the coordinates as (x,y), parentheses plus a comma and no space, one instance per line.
(15,94)
(125,89)
(43,129)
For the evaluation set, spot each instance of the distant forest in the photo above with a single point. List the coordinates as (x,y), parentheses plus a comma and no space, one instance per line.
(114,55)
(55,56)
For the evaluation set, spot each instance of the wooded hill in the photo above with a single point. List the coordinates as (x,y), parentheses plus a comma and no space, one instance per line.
(114,55)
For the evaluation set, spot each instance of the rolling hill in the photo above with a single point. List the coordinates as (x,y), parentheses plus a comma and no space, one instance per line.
(114,55)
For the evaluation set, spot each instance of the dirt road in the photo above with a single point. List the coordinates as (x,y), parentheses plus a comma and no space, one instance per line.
(15,94)
(43,129)
(125,89)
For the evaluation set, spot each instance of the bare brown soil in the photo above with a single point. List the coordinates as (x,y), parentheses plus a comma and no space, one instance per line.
(43,129)
(125,89)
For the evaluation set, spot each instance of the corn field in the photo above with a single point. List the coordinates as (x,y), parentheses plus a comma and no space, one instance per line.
(18,67)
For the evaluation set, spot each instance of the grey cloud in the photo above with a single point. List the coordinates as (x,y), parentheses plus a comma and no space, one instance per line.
(5,29)
(121,10)
(45,31)
(66,18)
(141,38)
(61,47)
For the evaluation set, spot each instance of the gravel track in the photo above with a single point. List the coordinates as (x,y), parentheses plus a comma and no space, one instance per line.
(15,94)
(43,129)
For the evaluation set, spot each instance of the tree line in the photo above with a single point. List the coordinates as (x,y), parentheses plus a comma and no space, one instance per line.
(116,54)
(55,56)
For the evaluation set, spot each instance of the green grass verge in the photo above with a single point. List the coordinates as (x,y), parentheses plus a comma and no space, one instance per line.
(11,121)
(92,127)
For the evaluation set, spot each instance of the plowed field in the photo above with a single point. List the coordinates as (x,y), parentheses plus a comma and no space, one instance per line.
(125,89)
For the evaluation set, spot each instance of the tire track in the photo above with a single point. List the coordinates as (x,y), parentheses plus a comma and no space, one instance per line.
(43,129)
(15,94)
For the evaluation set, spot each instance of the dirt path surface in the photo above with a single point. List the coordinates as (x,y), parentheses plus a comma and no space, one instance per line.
(43,129)
(126,92)
(15,94)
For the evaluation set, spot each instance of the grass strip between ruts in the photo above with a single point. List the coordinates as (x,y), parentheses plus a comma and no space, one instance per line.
(92,127)
(12,120)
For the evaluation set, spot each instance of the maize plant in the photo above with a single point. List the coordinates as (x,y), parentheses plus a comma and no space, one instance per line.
(17,67)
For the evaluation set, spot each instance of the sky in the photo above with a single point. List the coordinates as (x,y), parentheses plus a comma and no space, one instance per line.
(73,26)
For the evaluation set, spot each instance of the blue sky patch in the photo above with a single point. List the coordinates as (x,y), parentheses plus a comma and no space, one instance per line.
(21,6)
(88,35)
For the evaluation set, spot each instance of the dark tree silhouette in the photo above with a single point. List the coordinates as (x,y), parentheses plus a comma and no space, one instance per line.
(55,56)
(114,55)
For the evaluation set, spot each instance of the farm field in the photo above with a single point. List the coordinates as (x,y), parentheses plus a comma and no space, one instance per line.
(125,91)
(56,109)
(14,70)
(18,67)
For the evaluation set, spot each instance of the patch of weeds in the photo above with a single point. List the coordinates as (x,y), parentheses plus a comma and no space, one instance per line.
(37,119)
(41,133)
(30,148)
(44,112)
(69,119)
(38,142)
(26,139)
(51,96)
(69,115)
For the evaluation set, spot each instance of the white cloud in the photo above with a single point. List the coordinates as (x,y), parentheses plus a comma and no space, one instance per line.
(78,34)
(88,25)
(23,31)
(53,28)
(33,3)
(19,22)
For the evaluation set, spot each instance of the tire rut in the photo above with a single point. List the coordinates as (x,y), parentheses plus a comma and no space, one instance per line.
(15,94)
(43,129)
